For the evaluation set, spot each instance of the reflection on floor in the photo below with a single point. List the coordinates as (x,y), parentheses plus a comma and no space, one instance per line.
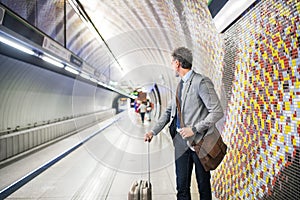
(103,168)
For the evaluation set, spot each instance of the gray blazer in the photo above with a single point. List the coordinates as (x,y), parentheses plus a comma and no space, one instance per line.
(200,107)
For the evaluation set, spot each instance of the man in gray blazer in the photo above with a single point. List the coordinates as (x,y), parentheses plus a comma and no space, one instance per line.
(196,111)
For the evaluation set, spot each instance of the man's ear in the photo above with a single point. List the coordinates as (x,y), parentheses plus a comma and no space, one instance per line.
(177,63)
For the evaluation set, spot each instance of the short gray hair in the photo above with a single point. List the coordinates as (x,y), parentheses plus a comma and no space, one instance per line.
(184,56)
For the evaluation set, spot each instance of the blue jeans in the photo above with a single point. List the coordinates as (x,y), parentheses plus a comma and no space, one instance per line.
(184,167)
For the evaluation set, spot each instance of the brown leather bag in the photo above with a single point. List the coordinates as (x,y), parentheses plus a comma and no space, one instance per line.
(211,150)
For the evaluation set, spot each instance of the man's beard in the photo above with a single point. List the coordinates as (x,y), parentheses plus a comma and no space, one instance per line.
(176,74)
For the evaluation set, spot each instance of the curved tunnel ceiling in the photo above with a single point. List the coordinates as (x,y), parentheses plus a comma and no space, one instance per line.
(142,34)
(130,41)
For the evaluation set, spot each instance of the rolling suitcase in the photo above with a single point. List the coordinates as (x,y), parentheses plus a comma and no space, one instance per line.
(142,189)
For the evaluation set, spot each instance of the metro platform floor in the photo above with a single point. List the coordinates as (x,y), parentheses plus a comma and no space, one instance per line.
(104,167)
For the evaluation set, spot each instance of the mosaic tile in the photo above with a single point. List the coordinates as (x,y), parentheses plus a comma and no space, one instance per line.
(262,124)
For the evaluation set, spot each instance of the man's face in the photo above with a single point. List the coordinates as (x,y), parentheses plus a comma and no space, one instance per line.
(175,65)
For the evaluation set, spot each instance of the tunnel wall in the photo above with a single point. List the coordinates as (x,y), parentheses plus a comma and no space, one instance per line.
(262,127)
(14,145)
(31,96)
(39,107)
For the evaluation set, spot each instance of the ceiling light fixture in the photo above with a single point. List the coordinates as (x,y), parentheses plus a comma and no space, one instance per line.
(72,70)
(52,61)
(230,12)
(85,76)
(16,45)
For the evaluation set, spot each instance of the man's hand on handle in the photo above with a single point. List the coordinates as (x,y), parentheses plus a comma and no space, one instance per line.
(148,136)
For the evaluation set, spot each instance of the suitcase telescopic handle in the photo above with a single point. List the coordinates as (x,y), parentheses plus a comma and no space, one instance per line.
(148,161)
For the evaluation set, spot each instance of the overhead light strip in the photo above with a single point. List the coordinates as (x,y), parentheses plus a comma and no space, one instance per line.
(19,45)
(16,45)
(230,12)
(52,61)
(72,70)
(85,76)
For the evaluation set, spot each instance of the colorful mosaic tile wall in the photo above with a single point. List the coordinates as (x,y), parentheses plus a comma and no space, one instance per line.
(262,127)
